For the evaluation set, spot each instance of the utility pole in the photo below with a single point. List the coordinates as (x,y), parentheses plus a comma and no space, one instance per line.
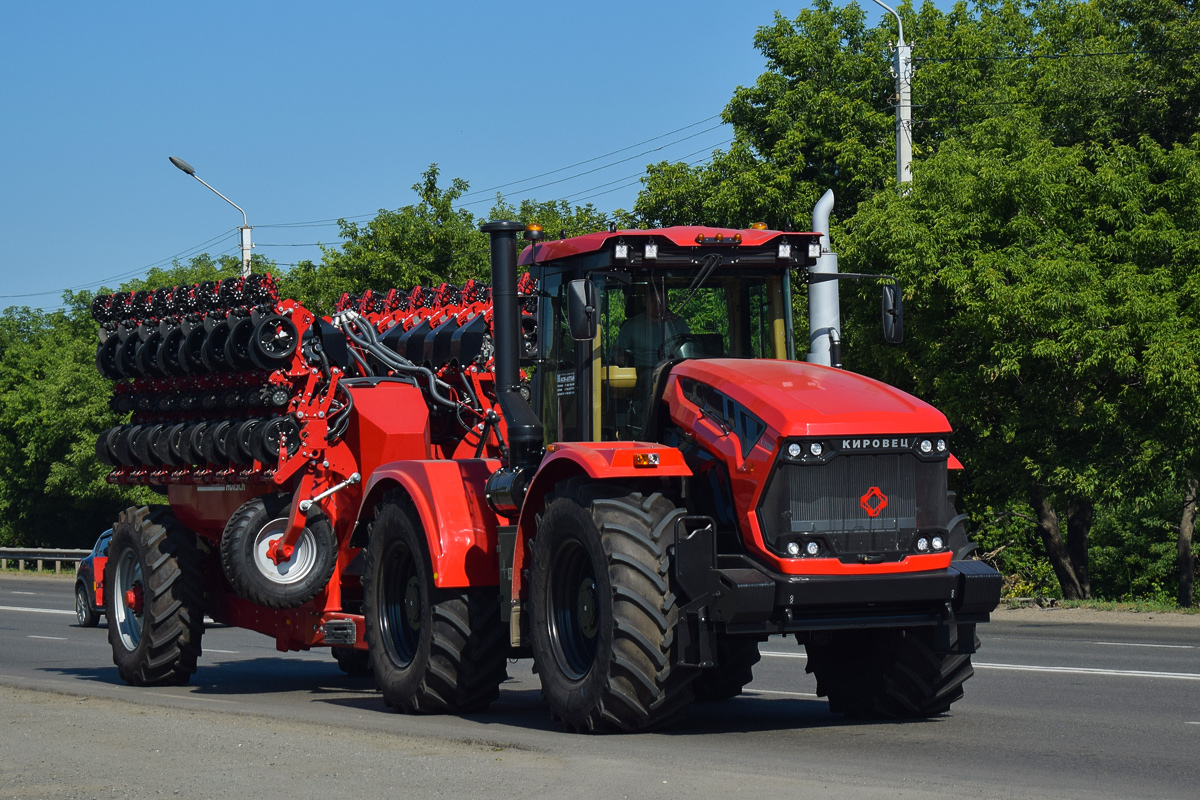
(245,244)
(902,69)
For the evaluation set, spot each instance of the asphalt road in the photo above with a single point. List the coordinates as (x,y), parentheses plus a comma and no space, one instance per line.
(1063,704)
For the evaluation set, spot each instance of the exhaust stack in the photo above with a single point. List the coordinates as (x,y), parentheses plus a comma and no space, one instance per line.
(506,488)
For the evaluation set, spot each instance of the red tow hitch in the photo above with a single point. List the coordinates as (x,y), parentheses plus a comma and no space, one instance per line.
(134,598)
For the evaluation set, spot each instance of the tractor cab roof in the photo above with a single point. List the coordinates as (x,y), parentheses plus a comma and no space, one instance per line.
(694,239)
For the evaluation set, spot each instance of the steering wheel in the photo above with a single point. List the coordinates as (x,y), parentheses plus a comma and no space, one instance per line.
(682,345)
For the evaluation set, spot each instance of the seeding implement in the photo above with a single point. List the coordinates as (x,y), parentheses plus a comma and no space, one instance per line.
(611,464)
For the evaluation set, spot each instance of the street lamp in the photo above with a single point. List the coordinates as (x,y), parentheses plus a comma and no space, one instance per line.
(902,66)
(245,229)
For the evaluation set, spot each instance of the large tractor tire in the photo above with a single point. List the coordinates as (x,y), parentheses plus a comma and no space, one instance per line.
(432,650)
(888,673)
(735,668)
(604,611)
(154,598)
(254,574)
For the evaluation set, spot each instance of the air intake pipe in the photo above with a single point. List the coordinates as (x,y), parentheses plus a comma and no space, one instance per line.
(824,305)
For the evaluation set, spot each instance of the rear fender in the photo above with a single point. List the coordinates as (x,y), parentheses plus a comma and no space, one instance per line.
(448,498)
(601,461)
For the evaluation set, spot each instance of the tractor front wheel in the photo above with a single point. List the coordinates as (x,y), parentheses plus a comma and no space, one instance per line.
(604,613)
(154,597)
(735,668)
(888,673)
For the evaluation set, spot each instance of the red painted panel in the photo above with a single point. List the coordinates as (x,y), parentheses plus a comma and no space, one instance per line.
(682,235)
(459,525)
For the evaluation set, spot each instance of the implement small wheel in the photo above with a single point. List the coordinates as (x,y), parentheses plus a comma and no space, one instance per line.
(603,609)
(154,598)
(432,650)
(245,547)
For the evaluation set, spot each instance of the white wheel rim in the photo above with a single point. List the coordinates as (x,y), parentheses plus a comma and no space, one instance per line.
(294,569)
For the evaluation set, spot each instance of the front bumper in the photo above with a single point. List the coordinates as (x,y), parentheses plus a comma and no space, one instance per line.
(741,596)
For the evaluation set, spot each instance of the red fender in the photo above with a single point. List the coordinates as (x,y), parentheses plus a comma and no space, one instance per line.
(600,460)
(459,526)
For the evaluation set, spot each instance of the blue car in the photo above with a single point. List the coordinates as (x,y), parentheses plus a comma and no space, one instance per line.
(89,583)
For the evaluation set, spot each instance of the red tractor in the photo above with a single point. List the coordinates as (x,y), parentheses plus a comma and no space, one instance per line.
(612,464)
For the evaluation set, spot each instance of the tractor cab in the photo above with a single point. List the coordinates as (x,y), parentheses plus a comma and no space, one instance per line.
(648,299)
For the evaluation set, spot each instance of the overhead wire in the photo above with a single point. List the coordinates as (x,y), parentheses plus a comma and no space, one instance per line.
(335,221)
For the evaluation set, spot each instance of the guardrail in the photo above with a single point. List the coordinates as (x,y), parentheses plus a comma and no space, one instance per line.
(39,556)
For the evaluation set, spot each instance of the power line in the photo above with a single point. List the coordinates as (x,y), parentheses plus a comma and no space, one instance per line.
(334,221)
(330,222)
(162,261)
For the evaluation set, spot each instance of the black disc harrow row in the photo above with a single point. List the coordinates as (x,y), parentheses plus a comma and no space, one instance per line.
(208,372)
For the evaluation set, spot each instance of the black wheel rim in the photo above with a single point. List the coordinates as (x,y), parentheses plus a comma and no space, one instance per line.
(401,607)
(574,617)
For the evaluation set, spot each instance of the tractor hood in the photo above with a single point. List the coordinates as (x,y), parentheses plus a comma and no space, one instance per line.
(800,399)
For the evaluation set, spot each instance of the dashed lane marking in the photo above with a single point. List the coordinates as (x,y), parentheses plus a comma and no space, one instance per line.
(1140,644)
(37,610)
(51,638)
(1121,673)
(777,654)
(784,694)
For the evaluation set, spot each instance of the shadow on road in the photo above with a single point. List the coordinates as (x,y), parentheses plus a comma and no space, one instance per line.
(519,705)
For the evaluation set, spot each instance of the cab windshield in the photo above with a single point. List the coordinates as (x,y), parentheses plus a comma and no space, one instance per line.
(657,316)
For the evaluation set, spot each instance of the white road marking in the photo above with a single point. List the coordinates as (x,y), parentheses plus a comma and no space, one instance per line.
(36,610)
(52,638)
(1139,644)
(777,654)
(784,694)
(32,594)
(1123,673)
(214,650)
(1191,723)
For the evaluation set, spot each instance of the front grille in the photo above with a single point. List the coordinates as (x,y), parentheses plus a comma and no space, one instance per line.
(854,505)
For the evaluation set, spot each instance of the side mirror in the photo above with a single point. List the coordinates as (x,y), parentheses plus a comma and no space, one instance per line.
(581,310)
(893,313)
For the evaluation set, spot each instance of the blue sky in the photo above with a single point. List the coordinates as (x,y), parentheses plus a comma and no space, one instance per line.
(305,111)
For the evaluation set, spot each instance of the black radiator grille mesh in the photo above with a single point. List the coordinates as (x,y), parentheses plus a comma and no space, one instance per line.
(832,502)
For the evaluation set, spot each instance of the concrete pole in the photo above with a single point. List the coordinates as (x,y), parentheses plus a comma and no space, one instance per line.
(902,68)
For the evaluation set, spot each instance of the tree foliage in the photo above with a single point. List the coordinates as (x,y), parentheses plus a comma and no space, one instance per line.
(1046,244)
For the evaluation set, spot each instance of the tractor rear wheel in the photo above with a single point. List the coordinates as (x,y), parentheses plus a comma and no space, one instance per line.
(432,650)
(254,574)
(603,609)
(154,597)
(889,673)
(735,668)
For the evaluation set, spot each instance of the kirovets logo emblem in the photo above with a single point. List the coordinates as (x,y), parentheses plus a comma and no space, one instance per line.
(873,502)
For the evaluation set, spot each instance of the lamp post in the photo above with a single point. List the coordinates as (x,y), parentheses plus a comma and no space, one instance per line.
(245,229)
(902,66)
